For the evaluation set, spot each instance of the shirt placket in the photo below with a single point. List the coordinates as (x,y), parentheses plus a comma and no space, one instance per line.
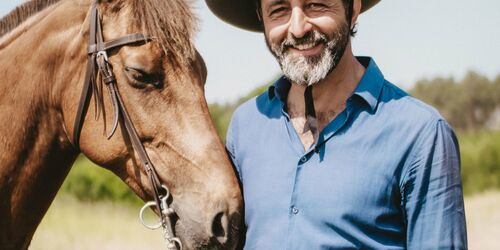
(305,161)
(295,208)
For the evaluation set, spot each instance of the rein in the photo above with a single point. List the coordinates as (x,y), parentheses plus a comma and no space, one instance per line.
(98,63)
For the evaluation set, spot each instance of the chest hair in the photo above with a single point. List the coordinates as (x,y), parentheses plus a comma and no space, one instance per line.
(308,128)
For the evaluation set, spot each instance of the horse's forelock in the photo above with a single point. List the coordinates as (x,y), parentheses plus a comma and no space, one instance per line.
(171,23)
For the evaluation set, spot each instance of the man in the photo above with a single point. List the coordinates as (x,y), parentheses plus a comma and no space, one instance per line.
(333,156)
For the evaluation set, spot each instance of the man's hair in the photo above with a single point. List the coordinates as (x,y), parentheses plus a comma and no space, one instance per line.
(348,6)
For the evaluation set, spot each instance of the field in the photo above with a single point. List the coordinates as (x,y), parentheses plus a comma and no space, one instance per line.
(104,225)
(483,220)
(72,224)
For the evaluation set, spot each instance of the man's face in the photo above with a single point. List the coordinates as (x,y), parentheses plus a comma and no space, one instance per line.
(307,37)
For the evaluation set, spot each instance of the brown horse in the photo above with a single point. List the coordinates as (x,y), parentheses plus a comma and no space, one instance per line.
(43,53)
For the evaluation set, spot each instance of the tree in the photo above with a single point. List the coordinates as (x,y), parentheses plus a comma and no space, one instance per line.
(467,105)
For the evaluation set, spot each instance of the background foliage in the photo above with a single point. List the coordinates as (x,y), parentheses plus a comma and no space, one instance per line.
(471,105)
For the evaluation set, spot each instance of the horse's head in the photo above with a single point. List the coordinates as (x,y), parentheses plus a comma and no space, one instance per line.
(161,83)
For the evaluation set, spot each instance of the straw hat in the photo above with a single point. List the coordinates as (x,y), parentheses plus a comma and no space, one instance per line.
(242,13)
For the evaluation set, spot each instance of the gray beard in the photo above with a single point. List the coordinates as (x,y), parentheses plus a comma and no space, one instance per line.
(307,71)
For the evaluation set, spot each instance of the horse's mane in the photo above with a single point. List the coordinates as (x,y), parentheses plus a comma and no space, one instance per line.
(21,13)
(171,23)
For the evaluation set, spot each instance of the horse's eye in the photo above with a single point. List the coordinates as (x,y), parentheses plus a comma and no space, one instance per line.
(141,79)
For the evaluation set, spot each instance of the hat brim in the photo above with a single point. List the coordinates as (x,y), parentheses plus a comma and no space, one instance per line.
(242,13)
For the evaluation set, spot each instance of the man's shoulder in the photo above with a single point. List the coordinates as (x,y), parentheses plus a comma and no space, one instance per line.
(251,119)
(404,105)
(400,114)
(258,106)
(245,109)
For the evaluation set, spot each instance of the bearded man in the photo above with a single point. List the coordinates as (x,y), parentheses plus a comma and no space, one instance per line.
(333,156)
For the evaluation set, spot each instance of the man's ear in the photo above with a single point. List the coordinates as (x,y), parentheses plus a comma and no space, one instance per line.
(356,9)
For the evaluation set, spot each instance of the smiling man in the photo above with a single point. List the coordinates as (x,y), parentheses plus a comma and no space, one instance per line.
(333,156)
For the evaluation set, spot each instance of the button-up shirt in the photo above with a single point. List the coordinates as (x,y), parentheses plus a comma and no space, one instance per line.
(383,174)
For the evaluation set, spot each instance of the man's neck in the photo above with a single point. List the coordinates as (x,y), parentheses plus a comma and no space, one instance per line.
(329,95)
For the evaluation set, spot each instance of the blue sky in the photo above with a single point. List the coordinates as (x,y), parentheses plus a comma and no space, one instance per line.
(409,40)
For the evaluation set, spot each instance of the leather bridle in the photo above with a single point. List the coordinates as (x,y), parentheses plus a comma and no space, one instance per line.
(98,64)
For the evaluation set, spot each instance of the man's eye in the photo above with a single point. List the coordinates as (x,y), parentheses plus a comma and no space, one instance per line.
(315,6)
(278,11)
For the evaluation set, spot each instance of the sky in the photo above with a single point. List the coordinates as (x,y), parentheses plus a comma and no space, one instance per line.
(409,40)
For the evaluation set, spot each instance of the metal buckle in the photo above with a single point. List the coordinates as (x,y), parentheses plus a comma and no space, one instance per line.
(104,66)
(104,54)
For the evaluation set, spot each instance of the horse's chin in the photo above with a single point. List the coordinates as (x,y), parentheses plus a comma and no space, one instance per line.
(192,238)
(193,241)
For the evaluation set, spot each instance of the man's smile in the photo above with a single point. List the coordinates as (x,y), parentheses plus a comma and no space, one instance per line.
(309,49)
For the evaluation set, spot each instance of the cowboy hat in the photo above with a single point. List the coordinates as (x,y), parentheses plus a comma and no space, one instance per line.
(242,13)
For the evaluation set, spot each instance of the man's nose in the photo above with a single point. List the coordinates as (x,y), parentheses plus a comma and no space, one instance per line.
(299,23)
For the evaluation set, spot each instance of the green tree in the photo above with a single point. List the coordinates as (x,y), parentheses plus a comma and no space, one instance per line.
(222,113)
(443,94)
(479,100)
(467,105)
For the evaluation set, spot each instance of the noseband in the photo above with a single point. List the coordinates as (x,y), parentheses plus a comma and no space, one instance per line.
(98,64)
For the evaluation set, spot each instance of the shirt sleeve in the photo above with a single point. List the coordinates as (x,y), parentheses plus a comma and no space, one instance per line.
(432,196)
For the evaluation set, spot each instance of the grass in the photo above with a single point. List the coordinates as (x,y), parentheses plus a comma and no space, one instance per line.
(74,224)
(483,220)
(104,225)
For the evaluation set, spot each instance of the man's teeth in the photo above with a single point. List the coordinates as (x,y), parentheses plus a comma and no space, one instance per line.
(304,46)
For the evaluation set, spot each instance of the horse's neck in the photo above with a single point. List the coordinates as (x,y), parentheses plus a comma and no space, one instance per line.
(33,165)
(35,153)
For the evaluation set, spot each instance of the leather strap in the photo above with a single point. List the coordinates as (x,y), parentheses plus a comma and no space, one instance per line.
(309,102)
(88,82)
(97,59)
(96,45)
(125,40)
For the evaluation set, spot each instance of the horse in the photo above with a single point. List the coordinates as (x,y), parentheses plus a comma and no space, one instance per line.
(160,79)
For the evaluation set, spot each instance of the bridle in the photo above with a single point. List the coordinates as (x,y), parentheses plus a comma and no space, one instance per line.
(98,63)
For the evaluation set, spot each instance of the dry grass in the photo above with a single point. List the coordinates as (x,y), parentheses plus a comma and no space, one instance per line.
(483,220)
(70,224)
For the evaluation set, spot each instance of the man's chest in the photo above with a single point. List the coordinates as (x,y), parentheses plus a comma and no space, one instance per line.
(351,181)
(317,194)
(308,128)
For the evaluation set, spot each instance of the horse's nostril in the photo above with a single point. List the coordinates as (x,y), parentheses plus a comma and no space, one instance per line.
(219,227)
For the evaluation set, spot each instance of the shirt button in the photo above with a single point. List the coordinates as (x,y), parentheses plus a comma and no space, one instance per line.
(303,159)
(295,210)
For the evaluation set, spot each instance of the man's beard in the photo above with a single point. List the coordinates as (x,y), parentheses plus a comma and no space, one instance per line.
(308,70)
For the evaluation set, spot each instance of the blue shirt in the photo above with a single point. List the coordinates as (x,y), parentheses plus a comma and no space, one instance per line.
(384,174)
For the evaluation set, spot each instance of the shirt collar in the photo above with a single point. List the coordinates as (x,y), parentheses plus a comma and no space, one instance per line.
(369,87)
(280,89)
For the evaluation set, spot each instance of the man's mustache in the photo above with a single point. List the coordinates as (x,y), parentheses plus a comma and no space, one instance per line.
(310,37)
